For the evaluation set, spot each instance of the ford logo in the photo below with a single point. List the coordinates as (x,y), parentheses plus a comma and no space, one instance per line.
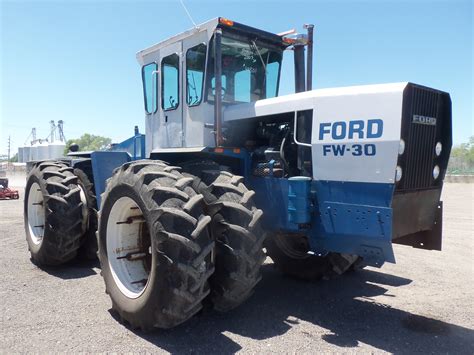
(424,120)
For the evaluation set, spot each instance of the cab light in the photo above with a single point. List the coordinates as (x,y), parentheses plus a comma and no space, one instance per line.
(289,40)
(225,21)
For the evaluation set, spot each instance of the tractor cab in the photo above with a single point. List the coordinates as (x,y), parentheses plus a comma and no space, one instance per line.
(186,88)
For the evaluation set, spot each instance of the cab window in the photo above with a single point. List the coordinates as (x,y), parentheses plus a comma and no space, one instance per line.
(273,72)
(170,82)
(251,70)
(150,87)
(195,65)
(242,92)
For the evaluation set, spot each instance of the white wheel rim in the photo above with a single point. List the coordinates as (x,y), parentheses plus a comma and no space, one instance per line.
(127,235)
(36,218)
(85,208)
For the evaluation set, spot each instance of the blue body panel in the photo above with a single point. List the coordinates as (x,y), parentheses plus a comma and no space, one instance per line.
(353,218)
(336,216)
(103,165)
(271,196)
(104,162)
(135,146)
(299,203)
(346,217)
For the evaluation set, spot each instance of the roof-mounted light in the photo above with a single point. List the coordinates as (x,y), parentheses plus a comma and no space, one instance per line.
(289,40)
(227,22)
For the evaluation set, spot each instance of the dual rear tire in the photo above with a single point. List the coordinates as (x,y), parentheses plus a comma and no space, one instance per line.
(168,240)
(54,214)
(237,230)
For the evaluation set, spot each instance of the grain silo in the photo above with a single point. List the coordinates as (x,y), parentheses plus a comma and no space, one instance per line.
(56,149)
(34,151)
(26,153)
(43,151)
(20,155)
(40,149)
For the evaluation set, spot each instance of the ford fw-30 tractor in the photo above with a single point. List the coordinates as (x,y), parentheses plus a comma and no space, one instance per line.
(229,172)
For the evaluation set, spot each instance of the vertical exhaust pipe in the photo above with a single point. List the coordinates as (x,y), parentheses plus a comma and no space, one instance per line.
(218,86)
(299,67)
(309,59)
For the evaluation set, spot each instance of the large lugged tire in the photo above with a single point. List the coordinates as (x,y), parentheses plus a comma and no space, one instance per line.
(53,213)
(88,249)
(155,248)
(236,228)
(289,253)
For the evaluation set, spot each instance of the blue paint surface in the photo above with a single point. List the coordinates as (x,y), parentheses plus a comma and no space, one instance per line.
(103,165)
(346,217)
(299,203)
(135,146)
(337,216)
(271,196)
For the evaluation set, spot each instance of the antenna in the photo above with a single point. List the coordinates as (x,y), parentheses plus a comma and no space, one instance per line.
(189,15)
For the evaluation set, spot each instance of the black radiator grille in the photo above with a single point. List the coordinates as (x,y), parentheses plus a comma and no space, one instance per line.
(420,139)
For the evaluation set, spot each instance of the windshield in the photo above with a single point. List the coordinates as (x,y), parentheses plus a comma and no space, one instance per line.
(250,70)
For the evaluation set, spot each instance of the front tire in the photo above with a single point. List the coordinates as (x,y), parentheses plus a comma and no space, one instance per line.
(154,245)
(290,254)
(53,214)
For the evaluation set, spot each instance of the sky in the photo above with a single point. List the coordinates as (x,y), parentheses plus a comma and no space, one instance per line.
(75,60)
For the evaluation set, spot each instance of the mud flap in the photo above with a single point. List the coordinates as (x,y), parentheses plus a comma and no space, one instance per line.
(427,239)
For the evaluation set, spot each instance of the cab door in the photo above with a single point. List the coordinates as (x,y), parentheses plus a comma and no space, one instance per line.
(196,112)
(171,97)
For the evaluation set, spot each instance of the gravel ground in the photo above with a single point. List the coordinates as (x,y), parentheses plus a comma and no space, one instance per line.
(424,303)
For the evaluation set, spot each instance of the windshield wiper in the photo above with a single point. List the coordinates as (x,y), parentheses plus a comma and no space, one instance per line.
(193,87)
(259,55)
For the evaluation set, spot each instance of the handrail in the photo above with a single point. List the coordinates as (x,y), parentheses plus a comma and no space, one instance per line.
(295,131)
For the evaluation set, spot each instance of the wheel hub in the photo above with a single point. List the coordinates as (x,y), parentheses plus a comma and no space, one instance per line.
(128,247)
(36,215)
(295,246)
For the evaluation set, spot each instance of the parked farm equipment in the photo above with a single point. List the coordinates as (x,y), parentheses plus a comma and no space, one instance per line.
(320,179)
(6,192)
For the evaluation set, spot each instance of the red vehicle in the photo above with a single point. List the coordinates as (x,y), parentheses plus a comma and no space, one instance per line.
(6,192)
(9,193)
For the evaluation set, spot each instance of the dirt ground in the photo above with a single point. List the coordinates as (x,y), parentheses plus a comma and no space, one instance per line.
(424,303)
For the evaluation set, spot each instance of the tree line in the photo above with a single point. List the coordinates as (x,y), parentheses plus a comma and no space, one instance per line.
(461,160)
